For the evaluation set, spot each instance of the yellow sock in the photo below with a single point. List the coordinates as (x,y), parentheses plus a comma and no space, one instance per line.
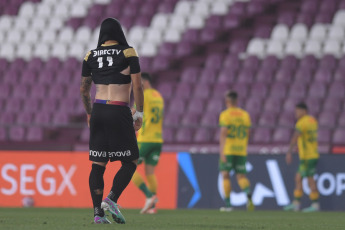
(137,179)
(298,194)
(227,187)
(244,184)
(314,196)
(152,183)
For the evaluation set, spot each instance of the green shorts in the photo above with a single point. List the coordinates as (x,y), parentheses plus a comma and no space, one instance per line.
(307,168)
(238,163)
(149,153)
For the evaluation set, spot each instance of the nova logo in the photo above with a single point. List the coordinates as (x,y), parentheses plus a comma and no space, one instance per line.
(120,154)
(260,191)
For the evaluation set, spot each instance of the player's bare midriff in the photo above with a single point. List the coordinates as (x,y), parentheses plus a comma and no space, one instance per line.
(114,92)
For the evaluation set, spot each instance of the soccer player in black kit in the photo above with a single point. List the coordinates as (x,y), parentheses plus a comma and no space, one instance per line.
(112,66)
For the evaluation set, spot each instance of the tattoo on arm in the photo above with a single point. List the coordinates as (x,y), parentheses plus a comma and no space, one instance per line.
(141,108)
(85,88)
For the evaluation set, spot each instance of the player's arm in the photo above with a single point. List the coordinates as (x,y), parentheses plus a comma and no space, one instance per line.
(292,146)
(222,139)
(85,87)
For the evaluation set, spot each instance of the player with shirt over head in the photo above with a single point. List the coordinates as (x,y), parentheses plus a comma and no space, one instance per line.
(305,137)
(112,66)
(150,142)
(234,134)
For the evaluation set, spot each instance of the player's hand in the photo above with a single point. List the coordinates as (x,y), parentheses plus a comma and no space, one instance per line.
(288,158)
(88,119)
(223,158)
(133,111)
(138,123)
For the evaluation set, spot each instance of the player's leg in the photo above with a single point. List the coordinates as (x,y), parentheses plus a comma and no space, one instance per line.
(151,161)
(137,179)
(96,184)
(298,193)
(225,168)
(120,182)
(314,193)
(242,180)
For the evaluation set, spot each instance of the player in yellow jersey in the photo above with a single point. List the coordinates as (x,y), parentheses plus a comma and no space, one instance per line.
(234,134)
(305,137)
(150,142)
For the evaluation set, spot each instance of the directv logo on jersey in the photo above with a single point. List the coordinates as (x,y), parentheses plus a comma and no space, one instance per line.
(106,52)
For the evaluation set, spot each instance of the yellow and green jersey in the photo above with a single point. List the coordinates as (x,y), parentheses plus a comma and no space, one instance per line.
(237,121)
(151,131)
(307,141)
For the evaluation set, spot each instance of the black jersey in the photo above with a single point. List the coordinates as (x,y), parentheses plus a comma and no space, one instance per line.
(105,64)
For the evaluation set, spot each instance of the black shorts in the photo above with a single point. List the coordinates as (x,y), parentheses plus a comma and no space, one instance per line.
(112,135)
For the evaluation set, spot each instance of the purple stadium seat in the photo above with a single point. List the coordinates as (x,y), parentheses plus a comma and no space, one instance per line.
(184,49)
(308,62)
(11,76)
(278,90)
(270,62)
(63,77)
(262,136)
(309,6)
(259,89)
(242,89)
(160,63)
(281,135)
(215,105)
(18,64)
(56,91)
(16,133)
(207,35)
(267,118)
(306,19)
(332,105)
(75,23)
(172,119)
(166,89)
(246,76)
(263,32)
(210,119)
(85,135)
(190,119)
(177,106)
(24,118)
(30,105)
(219,90)
(339,137)
(148,9)
(264,75)
(339,75)
(46,76)
(226,76)
(324,136)
(166,7)
(49,105)
(184,135)
(191,35)
(34,134)
(317,90)
(214,22)
(290,104)
(67,105)
(35,64)
(289,62)
(14,105)
(287,18)
(208,76)
(202,90)
(3,64)
(53,64)
(5,91)
(341,119)
(336,90)
(328,62)
(214,61)
(196,106)
(145,63)
(143,21)
(327,119)
(253,106)
(284,75)
(254,8)
(238,46)
(231,21)
(323,75)
(324,18)
(42,118)
(251,62)
(21,91)
(303,76)
(167,49)
(202,135)
(272,105)
(60,118)
(314,105)
(183,90)
(91,21)
(287,119)
(231,62)
(7,118)
(3,134)
(168,135)
(297,90)
(238,8)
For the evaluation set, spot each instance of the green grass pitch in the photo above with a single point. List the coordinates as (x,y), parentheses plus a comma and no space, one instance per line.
(55,218)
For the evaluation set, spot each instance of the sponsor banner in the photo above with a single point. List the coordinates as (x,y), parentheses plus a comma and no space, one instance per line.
(60,179)
(272,182)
